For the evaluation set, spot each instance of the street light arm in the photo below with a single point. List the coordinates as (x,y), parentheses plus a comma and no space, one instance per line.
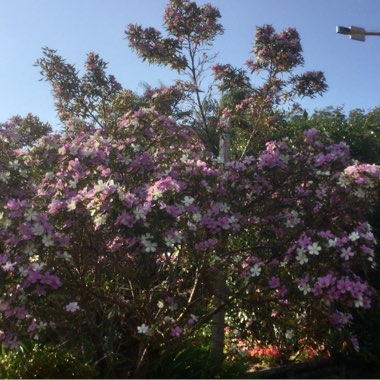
(372,33)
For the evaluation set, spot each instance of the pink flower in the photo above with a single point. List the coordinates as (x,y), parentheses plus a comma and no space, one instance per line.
(8,266)
(355,343)
(72,307)
(274,282)
(176,331)
(346,253)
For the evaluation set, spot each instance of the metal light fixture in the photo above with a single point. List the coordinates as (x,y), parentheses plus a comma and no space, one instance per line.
(355,32)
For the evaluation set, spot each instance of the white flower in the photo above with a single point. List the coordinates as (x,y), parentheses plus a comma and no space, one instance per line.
(14,164)
(354,236)
(301,256)
(255,270)
(67,256)
(169,241)
(72,307)
(224,207)
(197,217)
(184,158)
(23,173)
(73,150)
(147,243)
(207,187)
(146,237)
(359,302)
(292,219)
(343,181)
(87,153)
(42,325)
(192,226)
(23,271)
(187,201)
(332,242)
(100,220)
(30,249)
(30,215)
(47,240)
(4,176)
(38,229)
(135,147)
(34,258)
(100,186)
(38,266)
(73,184)
(71,206)
(139,213)
(305,288)
(289,334)
(143,329)
(232,219)
(360,193)
(150,246)
(314,249)
(157,194)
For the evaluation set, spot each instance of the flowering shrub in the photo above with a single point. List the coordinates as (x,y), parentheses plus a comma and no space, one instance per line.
(127,229)
(112,232)
(268,355)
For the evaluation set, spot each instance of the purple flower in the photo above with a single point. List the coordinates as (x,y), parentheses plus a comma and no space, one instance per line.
(125,219)
(304,241)
(274,282)
(176,331)
(347,253)
(72,307)
(355,343)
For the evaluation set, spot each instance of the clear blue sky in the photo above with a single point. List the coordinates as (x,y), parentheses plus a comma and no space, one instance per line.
(75,27)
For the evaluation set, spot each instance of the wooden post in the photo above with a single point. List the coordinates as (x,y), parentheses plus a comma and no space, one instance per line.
(217,329)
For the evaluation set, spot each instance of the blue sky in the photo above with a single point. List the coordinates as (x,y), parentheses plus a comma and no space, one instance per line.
(75,27)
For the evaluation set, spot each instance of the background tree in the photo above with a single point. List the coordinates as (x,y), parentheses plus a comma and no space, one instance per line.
(191,30)
(89,97)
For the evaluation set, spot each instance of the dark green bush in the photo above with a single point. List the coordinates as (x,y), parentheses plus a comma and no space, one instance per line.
(44,362)
(194,363)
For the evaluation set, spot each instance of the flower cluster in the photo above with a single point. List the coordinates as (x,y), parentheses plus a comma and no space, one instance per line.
(283,50)
(186,18)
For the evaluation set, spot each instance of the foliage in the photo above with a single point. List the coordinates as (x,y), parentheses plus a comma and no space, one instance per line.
(359,130)
(44,362)
(195,363)
(81,242)
(89,97)
(255,110)
(23,131)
